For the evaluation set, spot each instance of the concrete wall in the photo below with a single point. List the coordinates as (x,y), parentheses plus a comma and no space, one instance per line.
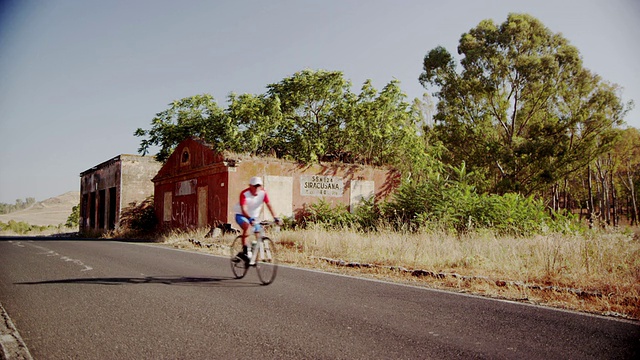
(136,175)
(108,188)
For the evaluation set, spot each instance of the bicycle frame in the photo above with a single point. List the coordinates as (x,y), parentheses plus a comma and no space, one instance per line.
(259,247)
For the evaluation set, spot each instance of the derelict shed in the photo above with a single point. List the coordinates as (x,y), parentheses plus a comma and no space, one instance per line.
(198,187)
(108,188)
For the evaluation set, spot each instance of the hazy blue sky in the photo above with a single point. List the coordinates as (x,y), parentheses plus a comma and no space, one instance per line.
(77,77)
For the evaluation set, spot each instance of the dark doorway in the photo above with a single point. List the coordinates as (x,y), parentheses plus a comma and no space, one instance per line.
(112,208)
(92,210)
(101,208)
(84,209)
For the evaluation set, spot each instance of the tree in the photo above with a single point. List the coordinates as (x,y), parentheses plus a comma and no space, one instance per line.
(384,129)
(73,220)
(19,205)
(310,116)
(628,152)
(522,111)
(258,121)
(197,115)
(311,104)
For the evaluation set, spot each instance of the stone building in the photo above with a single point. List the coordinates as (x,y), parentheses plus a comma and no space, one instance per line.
(198,187)
(108,188)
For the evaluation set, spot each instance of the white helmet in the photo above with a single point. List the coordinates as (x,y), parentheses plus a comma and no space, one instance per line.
(255,181)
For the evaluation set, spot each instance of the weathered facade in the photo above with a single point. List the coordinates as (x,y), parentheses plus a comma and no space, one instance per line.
(106,189)
(198,187)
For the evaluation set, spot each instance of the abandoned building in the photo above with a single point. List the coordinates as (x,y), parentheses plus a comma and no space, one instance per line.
(198,187)
(108,188)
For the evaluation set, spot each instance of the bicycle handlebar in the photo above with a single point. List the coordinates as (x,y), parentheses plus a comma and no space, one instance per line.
(274,222)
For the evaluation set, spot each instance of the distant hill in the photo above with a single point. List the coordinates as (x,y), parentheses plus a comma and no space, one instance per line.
(52,211)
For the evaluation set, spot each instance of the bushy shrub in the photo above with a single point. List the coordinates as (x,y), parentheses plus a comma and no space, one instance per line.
(22,228)
(367,215)
(18,227)
(458,207)
(444,205)
(324,214)
(409,201)
(139,219)
(74,218)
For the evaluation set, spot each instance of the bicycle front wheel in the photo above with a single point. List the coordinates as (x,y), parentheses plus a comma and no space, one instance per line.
(266,264)
(238,266)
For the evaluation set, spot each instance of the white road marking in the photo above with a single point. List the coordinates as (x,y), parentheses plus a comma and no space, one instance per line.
(51,253)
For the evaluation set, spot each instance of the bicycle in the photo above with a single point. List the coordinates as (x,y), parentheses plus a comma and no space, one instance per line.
(262,256)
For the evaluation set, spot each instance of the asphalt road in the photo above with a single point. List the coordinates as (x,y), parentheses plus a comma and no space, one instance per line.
(116,300)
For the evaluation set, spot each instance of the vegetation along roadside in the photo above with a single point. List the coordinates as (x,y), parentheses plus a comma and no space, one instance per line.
(596,273)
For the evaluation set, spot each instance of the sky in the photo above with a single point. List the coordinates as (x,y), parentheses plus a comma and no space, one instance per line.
(78,77)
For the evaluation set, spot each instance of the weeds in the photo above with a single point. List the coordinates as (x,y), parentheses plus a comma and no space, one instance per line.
(23,228)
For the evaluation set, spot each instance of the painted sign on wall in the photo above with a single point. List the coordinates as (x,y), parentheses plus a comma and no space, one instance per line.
(361,190)
(187,187)
(318,185)
(280,189)
(184,213)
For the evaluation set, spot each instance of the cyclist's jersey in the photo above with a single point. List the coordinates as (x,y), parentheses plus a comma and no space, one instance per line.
(253,203)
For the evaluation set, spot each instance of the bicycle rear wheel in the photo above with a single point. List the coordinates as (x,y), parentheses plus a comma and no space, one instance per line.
(266,264)
(238,266)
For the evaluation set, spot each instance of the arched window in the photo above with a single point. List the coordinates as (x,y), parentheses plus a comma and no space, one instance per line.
(186,157)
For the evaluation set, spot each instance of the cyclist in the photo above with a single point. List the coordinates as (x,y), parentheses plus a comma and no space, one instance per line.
(248,210)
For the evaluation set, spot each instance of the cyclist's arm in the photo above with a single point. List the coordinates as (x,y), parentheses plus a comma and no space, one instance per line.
(268,203)
(273,212)
(244,211)
(243,206)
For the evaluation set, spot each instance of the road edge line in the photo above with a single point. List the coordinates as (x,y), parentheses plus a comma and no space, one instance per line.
(11,343)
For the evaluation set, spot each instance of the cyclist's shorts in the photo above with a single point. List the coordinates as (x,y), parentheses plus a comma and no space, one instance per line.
(241,219)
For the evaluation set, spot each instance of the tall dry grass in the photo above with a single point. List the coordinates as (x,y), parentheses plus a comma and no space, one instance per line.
(592,261)
(597,271)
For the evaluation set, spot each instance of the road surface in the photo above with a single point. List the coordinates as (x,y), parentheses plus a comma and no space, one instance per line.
(118,300)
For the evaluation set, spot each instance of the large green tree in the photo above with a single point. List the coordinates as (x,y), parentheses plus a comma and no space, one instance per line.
(627,154)
(258,122)
(309,116)
(382,128)
(312,106)
(198,116)
(523,111)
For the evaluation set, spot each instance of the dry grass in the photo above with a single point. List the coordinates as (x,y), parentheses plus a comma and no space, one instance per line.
(597,273)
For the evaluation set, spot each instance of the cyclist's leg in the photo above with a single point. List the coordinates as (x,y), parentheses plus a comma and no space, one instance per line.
(244,224)
(257,231)
(238,264)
